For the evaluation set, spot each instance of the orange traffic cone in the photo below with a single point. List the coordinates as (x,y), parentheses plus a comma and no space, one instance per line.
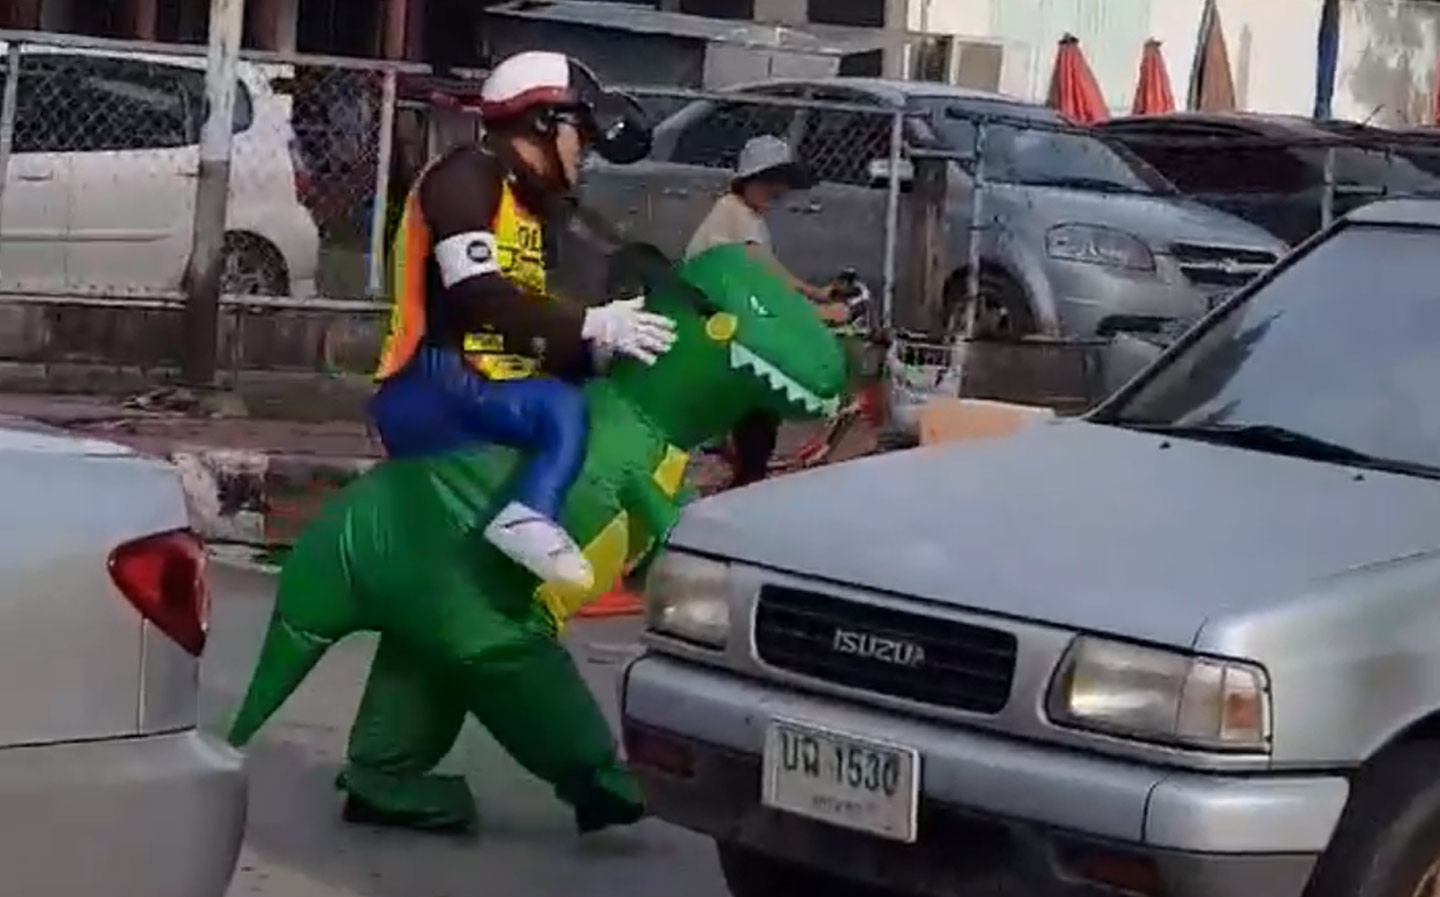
(618,602)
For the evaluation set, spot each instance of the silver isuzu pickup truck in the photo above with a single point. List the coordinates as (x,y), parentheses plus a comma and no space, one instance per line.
(1186,646)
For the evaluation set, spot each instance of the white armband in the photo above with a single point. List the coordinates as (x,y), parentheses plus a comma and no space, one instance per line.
(467,255)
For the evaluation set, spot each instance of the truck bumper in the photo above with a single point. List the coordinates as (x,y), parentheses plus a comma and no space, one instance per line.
(996,816)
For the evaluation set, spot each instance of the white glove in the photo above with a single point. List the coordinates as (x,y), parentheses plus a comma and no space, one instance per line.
(624,326)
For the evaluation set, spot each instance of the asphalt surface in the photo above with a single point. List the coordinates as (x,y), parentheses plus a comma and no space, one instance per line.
(296,845)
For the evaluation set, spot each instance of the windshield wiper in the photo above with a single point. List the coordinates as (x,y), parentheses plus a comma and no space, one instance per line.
(1284,441)
(1097,184)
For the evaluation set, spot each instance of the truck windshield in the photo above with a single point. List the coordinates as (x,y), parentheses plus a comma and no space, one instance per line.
(1338,355)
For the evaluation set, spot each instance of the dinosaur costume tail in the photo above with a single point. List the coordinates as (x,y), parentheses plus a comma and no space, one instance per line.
(314,609)
(287,657)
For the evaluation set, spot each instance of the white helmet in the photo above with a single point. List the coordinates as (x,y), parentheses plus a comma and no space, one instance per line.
(536,80)
(546,86)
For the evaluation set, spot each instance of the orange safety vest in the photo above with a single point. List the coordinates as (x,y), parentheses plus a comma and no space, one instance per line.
(519,243)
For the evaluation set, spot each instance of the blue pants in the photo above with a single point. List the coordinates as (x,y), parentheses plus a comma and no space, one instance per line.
(438,404)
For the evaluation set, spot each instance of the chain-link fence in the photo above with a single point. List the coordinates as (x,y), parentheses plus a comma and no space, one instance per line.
(933,197)
(101,170)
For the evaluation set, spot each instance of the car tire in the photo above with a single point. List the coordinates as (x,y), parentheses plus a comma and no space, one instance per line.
(1006,307)
(252,266)
(1388,841)
(748,873)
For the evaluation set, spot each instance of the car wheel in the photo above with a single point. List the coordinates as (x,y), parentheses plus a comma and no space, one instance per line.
(252,267)
(751,874)
(1004,307)
(1388,841)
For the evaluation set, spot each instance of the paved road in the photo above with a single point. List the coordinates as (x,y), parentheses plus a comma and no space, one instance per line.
(297,847)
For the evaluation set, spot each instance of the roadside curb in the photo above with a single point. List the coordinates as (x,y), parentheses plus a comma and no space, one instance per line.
(258,498)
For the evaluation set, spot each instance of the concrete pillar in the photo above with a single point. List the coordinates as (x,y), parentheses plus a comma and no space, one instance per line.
(138,19)
(782,12)
(262,24)
(55,15)
(20,14)
(393,23)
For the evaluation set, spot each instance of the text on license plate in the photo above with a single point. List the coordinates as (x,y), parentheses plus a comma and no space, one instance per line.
(843,780)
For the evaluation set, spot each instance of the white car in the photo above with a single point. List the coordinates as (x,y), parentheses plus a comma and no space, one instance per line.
(100,192)
(106,785)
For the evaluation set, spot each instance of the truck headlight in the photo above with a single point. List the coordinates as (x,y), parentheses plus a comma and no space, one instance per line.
(1096,245)
(1156,695)
(688,597)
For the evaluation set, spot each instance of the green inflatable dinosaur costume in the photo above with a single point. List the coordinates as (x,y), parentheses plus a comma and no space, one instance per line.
(462,629)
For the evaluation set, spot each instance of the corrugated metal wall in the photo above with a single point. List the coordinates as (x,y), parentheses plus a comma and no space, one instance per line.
(1111,32)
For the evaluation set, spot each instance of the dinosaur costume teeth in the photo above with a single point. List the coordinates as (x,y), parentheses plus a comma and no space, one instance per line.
(463,630)
(742,358)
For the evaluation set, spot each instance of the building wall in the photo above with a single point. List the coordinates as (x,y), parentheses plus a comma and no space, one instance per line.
(1387,63)
(616,56)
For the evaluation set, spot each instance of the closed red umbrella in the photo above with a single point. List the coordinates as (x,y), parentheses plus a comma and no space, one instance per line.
(1073,89)
(1435,100)
(1152,93)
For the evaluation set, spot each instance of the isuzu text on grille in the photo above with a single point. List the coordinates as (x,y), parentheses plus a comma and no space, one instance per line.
(877,647)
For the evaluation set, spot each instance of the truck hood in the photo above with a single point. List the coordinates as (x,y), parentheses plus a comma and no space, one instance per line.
(1157,219)
(1082,525)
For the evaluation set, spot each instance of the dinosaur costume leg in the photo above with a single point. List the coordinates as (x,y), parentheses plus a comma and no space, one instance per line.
(502,662)
(407,722)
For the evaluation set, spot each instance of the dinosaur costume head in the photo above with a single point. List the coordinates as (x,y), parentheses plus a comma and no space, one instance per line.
(744,340)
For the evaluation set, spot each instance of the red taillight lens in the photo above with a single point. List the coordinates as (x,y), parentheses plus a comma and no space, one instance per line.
(302,186)
(164,577)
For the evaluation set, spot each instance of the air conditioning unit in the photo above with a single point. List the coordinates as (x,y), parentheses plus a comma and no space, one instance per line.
(963,61)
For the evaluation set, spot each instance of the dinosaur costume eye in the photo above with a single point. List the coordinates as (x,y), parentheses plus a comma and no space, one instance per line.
(758,307)
(721,327)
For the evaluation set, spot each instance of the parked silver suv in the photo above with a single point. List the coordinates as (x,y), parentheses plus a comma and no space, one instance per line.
(1187,646)
(1080,237)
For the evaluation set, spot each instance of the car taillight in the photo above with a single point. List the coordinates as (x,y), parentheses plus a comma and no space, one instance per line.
(164,577)
(302,186)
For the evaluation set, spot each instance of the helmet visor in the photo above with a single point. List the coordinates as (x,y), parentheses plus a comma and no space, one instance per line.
(618,130)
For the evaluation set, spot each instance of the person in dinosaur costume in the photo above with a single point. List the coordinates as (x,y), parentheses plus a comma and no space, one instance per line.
(463,628)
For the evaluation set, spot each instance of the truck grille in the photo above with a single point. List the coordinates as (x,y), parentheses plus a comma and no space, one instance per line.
(886,651)
(1220,266)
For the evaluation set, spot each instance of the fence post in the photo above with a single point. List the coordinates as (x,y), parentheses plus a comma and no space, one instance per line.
(380,207)
(7,121)
(1327,198)
(927,243)
(976,227)
(892,218)
(212,188)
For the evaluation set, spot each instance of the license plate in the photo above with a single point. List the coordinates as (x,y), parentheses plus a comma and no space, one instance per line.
(846,781)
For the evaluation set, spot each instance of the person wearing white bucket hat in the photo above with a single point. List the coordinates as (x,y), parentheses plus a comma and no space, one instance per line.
(764,173)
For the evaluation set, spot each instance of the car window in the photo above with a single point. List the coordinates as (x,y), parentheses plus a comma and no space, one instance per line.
(714,140)
(68,103)
(1220,161)
(839,145)
(1356,166)
(1049,154)
(1335,347)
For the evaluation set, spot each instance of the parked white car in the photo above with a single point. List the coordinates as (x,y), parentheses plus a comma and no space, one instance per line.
(106,785)
(100,192)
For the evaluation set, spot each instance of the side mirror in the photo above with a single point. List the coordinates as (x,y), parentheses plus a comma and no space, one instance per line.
(880,174)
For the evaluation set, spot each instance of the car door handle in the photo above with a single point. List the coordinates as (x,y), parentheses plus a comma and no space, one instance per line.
(188,172)
(36,176)
(674,191)
(813,208)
